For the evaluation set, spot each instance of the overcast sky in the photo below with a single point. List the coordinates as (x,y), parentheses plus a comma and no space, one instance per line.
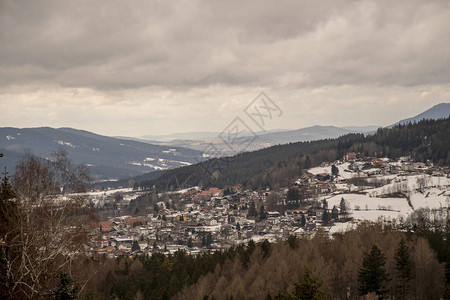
(156,67)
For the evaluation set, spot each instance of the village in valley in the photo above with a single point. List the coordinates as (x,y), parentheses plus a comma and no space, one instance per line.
(333,197)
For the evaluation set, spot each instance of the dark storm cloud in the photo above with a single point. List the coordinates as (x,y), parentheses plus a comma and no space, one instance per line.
(123,44)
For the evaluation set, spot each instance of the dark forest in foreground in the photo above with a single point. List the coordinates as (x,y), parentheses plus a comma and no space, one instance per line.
(415,266)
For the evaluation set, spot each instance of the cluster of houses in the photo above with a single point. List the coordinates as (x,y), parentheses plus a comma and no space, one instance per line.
(210,219)
(213,219)
(375,166)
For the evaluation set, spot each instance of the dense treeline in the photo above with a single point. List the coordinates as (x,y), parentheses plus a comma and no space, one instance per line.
(334,266)
(148,277)
(335,262)
(427,139)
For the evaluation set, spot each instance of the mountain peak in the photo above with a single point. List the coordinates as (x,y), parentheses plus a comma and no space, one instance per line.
(439,111)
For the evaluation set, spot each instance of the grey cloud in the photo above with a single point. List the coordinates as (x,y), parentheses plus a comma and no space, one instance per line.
(121,44)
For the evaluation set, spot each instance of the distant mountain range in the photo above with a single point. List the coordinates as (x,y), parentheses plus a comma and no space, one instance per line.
(197,136)
(362,129)
(192,136)
(439,111)
(300,135)
(107,157)
(262,140)
(114,158)
(202,140)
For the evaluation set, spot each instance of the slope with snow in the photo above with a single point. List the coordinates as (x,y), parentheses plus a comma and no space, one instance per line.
(344,172)
(371,204)
(364,207)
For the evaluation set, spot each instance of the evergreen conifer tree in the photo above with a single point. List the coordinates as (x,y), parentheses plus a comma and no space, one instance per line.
(326,217)
(303,220)
(308,288)
(404,268)
(262,213)
(209,240)
(335,213)
(343,207)
(334,170)
(372,274)
(6,191)
(67,289)
(252,212)
(135,246)
(307,164)
(325,204)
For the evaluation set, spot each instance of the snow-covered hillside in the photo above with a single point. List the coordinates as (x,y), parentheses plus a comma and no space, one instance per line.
(403,193)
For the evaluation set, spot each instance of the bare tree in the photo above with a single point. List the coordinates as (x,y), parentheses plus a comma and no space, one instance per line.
(46,225)
(422,183)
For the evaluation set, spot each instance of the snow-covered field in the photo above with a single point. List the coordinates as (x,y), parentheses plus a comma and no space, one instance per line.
(433,198)
(424,191)
(110,192)
(410,183)
(342,173)
(364,207)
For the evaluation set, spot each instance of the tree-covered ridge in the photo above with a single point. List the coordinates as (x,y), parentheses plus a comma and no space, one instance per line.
(425,140)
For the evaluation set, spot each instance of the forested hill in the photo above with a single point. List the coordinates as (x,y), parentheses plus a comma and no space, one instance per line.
(105,156)
(427,139)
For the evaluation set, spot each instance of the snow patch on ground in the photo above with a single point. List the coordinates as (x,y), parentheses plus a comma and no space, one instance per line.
(432,198)
(66,144)
(344,173)
(370,206)
(342,227)
(363,202)
(109,192)
(143,164)
(374,215)
(260,238)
